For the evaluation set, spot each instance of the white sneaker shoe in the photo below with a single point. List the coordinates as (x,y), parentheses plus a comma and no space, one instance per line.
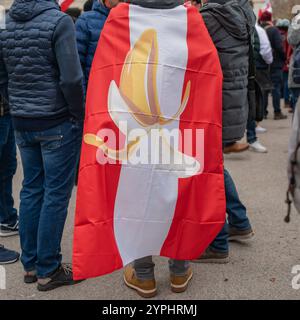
(257,147)
(260,129)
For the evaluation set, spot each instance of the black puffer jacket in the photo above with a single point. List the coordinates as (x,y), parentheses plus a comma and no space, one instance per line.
(230,24)
(39,63)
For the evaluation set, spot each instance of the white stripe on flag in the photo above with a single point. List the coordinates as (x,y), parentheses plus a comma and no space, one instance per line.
(144,211)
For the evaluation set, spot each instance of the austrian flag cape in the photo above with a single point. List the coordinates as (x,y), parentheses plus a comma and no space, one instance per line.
(155,89)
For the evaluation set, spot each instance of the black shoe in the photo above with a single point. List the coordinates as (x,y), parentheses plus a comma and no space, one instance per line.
(63,276)
(7,230)
(30,277)
(235,234)
(8,256)
(279,116)
(213,256)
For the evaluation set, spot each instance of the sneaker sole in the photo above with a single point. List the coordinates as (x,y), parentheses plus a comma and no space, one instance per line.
(241,238)
(261,132)
(212,260)
(238,151)
(9,262)
(143,293)
(257,151)
(4,234)
(181,288)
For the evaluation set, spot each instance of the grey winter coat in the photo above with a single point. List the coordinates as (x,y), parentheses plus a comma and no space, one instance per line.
(294,40)
(230,24)
(294,154)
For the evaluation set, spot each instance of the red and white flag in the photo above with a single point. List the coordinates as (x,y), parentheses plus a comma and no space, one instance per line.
(65,4)
(156,74)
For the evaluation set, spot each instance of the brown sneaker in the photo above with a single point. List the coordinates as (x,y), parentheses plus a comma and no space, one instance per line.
(145,288)
(212,256)
(236,148)
(179,284)
(240,235)
(279,116)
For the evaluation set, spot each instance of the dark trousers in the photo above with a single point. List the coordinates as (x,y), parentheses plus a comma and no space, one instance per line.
(49,161)
(237,215)
(8,166)
(251,131)
(294,96)
(276,77)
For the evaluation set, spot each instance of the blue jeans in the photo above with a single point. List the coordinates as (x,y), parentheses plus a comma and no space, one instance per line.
(251,132)
(294,96)
(8,166)
(286,91)
(276,77)
(237,215)
(49,161)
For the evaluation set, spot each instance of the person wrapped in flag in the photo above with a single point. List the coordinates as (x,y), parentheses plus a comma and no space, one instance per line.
(151,175)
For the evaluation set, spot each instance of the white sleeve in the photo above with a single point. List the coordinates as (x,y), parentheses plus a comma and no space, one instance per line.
(265,45)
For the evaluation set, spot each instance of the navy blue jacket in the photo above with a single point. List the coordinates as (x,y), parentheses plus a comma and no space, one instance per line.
(88,29)
(40,72)
(277,46)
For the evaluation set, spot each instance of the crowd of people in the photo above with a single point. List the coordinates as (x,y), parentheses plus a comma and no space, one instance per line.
(45,62)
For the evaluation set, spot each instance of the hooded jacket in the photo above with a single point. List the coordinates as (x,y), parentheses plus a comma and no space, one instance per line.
(294,41)
(88,29)
(157,4)
(230,24)
(276,41)
(39,66)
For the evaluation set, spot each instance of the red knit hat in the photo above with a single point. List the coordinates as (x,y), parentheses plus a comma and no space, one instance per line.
(265,16)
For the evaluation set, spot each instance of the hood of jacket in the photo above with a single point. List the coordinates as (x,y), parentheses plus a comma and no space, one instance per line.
(236,16)
(157,4)
(24,10)
(100,7)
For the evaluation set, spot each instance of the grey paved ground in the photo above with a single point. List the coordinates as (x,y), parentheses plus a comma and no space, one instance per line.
(260,270)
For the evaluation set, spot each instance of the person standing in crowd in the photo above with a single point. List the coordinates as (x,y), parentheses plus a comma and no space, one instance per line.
(231,25)
(88,30)
(294,41)
(283,27)
(277,66)
(8,165)
(88,5)
(9,221)
(41,76)
(263,58)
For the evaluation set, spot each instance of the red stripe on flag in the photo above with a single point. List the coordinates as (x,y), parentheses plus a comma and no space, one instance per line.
(65,5)
(200,209)
(95,250)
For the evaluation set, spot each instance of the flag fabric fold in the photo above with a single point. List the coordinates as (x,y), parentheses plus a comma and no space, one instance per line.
(65,4)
